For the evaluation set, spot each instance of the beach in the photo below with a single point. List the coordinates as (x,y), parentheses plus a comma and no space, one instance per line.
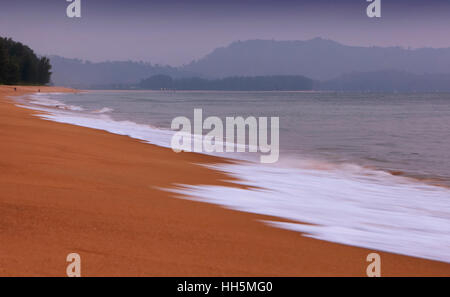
(68,189)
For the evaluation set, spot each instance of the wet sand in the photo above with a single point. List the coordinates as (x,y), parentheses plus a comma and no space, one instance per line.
(67,189)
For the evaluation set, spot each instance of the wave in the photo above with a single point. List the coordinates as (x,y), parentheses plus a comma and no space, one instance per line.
(375,211)
(344,203)
(103,122)
(42,99)
(103,110)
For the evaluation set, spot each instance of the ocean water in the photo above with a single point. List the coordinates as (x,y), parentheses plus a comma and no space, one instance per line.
(369,170)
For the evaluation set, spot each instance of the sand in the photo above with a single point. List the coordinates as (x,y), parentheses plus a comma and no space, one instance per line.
(67,189)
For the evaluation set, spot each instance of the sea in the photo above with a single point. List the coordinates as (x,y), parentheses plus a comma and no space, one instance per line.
(363,169)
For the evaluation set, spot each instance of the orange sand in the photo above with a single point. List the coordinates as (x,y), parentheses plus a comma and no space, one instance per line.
(67,189)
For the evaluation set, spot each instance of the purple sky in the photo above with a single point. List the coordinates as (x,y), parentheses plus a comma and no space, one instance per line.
(178,31)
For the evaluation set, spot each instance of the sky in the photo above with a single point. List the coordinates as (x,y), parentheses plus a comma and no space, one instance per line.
(175,32)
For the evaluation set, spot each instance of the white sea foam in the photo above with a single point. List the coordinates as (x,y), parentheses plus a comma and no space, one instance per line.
(103,122)
(375,211)
(346,204)
(103,110)
(42,99)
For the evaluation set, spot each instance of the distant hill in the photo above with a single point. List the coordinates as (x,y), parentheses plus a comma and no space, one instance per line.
(317,58)
(330,64)
(257,83)
(388,81)
(84,74)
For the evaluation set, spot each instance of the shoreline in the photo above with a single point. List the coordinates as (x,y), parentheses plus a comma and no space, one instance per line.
(72,189)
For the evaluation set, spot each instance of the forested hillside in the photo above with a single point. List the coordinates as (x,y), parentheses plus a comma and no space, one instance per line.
(20,65)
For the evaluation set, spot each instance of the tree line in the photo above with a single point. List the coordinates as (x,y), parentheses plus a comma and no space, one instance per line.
(244,83)
(20,65)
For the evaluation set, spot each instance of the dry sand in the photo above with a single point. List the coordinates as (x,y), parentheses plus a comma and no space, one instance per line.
(67,189)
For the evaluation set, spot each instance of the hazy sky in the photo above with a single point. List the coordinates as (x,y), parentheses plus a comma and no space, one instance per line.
(177,31)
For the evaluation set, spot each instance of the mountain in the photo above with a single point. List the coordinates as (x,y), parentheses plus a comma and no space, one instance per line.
(388,81)
(332,65)
(84,74)
(318,58)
